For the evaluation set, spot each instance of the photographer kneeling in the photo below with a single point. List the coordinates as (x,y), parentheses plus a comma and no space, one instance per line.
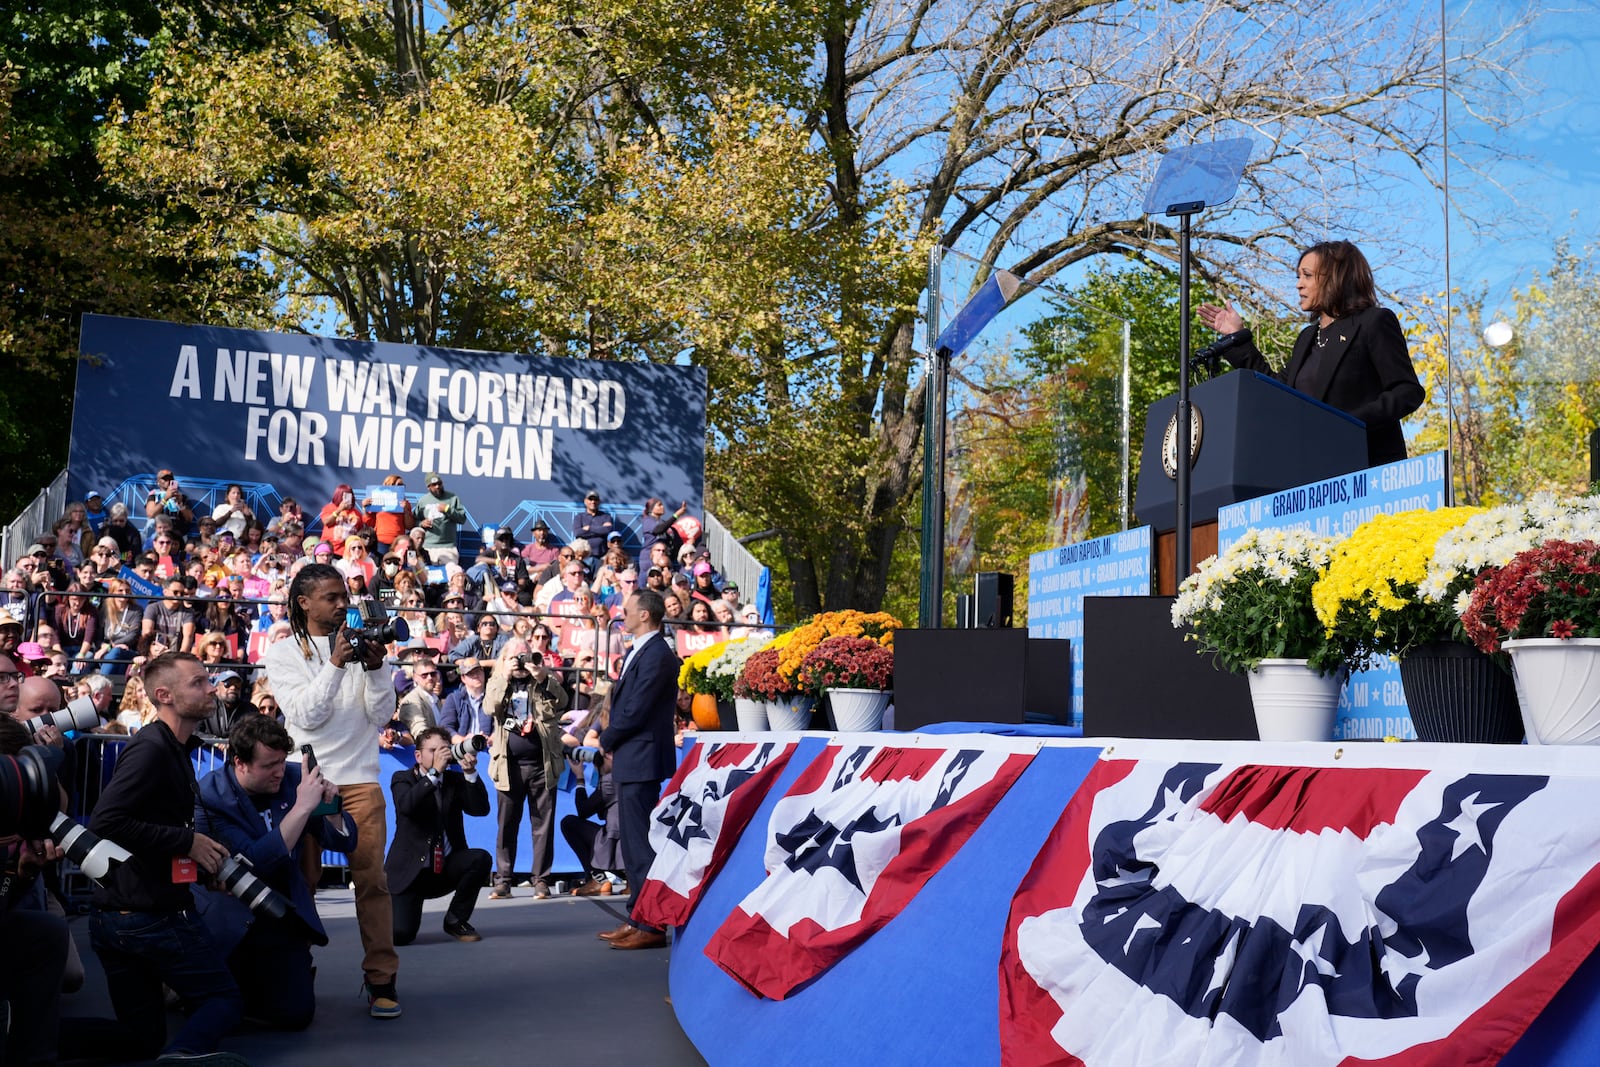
(262,807)
(429,856)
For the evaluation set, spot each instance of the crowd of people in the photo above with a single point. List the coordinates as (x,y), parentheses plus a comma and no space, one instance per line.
(225,627)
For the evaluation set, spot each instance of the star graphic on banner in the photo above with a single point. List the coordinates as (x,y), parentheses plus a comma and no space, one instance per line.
(1466,826)
(851,766)
(1310,950)
(1171,803)
(1397,966)
(684,824)
(814,844)
(954,772)
(1141,924)
(1222,966)
(1121,876)
(736,777)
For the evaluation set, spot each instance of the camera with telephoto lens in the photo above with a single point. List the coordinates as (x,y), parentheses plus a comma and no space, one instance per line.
(78,715)
(29,796)
(582,753)
(238,876)
(93,854)
(368,624)
(475,743)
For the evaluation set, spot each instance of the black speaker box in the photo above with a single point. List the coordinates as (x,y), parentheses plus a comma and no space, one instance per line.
(1142,679)
(992,600)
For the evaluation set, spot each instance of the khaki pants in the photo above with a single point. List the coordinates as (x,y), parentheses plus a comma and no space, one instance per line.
(374,913)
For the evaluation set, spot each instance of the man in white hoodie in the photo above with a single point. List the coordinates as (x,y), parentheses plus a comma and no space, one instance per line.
(337,701)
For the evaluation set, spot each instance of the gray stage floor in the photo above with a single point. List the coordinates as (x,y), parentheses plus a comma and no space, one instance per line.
(539,987)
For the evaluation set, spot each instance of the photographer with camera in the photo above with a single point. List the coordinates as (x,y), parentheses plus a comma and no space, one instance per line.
(168,500)
(429,857)
(525,760)
(264,809)
(336,699)
(144,927)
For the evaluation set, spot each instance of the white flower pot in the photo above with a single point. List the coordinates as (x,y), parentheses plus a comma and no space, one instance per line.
(1558,686)
(751,715)
(792,712)
(858,710)
(1294,702)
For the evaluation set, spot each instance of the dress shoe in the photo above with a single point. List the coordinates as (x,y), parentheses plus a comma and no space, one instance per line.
(620,932)
(595,887)
(642,939)
(461,931)
(541,891)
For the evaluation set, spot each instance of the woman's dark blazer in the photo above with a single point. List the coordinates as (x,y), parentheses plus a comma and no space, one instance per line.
(1364,370)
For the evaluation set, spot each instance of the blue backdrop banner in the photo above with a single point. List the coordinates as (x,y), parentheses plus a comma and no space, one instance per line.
(514,436)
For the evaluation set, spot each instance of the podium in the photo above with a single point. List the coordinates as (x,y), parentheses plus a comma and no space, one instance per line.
(1257,436)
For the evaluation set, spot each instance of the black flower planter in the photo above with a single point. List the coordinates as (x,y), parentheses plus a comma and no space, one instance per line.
(1457,693)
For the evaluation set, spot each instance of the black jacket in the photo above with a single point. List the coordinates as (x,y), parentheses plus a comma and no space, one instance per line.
(420,820)
(1364,369)
(148,809)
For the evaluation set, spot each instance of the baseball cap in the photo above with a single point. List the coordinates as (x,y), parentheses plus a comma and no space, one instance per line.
(613,536)
(593,494)
(468,664)
(226,676)
(730,587)
(322,546)
(702,568)
(540,524)
(31,650)
(93,494)
(508,587)
(432,478)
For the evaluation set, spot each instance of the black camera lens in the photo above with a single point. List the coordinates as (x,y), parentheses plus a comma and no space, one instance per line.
(29,798)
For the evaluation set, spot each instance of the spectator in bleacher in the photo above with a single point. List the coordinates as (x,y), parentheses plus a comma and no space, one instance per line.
(120,530)
(77,628)
(212,648)
(702,619)
(254,534)
(572,580)
(205,535)
(355,561)
(681,586)
(686,558)
(526,701)
(657,524)
(594,525)
(94,511)
(441,516)
(168,500)
(390,526)
(168,552)
(705,584)
(261,696)
(20,601)
(120,622)
(452,628)
(484,644)
(540,551)
(502,604)
(724,614)
(627,582)
(656,579)
(464,713)
(234,513)
(341,518)
(583,557)
(616,557)
(674,610)
(70,530)
(290,520)
(171,617)
(106,557)
(660,556)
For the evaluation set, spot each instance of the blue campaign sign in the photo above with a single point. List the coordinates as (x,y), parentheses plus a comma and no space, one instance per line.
(1119,564)
(1372,703)
(515,436)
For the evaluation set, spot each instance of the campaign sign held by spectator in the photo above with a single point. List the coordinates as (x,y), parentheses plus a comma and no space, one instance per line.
(301,414)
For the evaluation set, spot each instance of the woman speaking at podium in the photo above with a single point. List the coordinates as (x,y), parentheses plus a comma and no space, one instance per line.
(1352,356)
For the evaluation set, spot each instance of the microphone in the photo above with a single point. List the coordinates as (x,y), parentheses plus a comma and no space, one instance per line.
(1207,356)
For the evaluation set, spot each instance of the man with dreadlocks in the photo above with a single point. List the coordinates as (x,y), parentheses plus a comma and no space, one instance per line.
(337,702)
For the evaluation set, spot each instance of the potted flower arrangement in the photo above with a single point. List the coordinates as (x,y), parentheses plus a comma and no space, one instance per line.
(694,679)
(1250,606)
(761,680)
(877,626)
(857,673)
(1543,608)
(1455,681)
(723,674)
